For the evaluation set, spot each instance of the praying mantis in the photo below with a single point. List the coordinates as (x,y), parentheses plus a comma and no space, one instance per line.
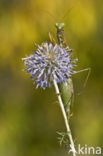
(66,88)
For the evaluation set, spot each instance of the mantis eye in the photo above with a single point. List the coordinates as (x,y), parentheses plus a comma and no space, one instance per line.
(56,25)
(63,24)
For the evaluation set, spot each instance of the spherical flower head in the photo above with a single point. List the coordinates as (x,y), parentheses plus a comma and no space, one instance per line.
(47,63)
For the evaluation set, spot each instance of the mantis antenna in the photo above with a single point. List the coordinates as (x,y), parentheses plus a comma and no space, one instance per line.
(67,12)
(50,14)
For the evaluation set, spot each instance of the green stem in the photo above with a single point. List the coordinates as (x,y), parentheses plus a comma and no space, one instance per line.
(65,117)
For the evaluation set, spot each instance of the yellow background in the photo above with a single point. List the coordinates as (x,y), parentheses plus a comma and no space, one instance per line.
(29,117)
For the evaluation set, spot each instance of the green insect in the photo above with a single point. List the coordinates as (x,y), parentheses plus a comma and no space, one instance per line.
(66,89)
(61,36)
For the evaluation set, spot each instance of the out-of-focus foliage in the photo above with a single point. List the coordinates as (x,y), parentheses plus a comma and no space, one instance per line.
(30,117)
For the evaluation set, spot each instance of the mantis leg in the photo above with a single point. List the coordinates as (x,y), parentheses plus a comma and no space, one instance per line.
(86,79)
(52,40)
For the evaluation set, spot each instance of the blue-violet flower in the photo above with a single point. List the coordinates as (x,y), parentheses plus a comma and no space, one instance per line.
(47,61)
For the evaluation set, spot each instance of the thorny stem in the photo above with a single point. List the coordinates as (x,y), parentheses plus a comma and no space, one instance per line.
(65,117)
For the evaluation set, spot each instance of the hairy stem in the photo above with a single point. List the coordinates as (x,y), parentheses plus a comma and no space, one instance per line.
(65,117)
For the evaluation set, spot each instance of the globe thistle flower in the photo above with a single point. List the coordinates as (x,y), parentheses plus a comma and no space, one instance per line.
(48,61)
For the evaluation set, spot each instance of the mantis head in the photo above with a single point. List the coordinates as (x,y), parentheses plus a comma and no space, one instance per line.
(59,26)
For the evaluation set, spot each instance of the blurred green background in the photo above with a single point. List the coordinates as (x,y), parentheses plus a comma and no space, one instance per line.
(29,117)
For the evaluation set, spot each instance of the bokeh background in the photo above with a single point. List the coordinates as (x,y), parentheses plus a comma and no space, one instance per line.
(29,117)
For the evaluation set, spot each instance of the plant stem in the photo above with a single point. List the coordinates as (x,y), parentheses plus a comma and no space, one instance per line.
(65,117)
